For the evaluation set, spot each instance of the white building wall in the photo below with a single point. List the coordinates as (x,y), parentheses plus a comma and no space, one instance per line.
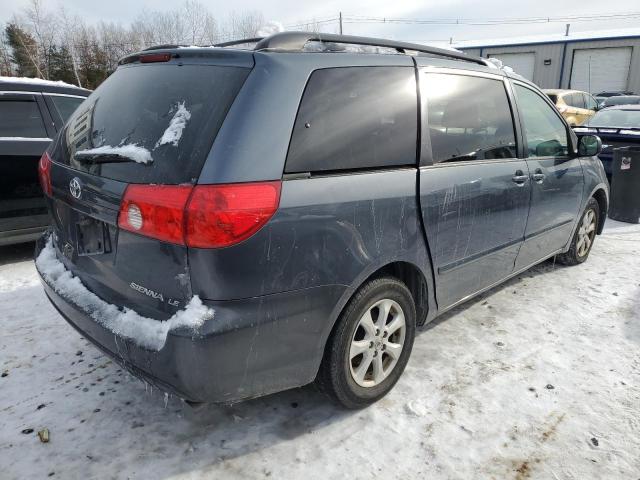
(556,74)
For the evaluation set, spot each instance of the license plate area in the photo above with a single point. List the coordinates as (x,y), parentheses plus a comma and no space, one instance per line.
(92,237)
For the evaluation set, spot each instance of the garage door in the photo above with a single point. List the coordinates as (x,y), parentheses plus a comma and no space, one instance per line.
(522,63)
(598,69)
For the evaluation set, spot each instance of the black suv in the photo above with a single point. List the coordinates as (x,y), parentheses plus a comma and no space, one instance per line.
(229,223)
(32,111)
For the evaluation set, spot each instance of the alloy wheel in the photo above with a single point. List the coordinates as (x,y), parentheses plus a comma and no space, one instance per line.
(586,232)
(377,343)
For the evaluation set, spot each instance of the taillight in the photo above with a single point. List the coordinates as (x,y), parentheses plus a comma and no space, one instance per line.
(155,211)
(204,216)
(44,173)
(223,215)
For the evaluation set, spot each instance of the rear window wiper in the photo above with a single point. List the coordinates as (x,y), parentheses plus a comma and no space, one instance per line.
(96,158)
(109,154)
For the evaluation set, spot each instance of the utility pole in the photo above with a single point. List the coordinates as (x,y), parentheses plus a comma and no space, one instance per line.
(340,17)
(566,32)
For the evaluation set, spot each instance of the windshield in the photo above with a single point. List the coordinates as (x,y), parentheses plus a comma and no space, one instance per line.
(616,118)
(150,123)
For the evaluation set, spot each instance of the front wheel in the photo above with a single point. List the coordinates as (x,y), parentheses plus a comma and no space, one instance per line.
(583,238)
(370,345)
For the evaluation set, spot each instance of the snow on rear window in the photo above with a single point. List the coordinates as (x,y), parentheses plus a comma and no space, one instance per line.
(145,332)
(173,133)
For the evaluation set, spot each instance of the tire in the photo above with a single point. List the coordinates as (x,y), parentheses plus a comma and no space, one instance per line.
(342,374)
(585,233)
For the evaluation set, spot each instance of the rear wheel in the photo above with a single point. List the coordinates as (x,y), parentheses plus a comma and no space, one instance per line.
(584,236)
(370,345)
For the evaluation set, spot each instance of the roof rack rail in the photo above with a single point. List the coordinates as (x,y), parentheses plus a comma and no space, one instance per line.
(239,42)
(295,41)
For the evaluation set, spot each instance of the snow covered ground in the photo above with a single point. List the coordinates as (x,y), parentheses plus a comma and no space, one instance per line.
(539,378)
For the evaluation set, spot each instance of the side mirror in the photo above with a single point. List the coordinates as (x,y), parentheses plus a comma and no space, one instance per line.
(550,148)
(589,145)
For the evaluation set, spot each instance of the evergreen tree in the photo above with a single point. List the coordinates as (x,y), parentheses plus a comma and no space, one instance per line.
(61,64)
(24,56)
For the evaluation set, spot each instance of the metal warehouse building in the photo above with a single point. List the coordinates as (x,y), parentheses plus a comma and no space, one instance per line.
(588,61)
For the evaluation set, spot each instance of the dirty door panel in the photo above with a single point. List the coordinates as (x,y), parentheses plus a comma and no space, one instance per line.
(474,216)
(475,195)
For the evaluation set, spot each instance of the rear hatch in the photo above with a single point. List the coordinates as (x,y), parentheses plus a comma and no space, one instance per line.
(147,129)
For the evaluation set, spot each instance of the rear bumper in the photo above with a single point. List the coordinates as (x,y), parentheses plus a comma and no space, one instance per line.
(251,347)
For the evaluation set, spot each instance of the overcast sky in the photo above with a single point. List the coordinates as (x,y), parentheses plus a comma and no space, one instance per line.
(290,12)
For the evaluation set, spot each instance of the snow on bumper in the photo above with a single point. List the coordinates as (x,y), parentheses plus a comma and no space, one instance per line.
(145,332)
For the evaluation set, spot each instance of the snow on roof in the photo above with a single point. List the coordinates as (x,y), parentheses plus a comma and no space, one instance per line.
(550,38)
(36,81)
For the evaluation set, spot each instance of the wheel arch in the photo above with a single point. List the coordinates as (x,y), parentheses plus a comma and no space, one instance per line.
(601,197)
(408,273)
(413,278)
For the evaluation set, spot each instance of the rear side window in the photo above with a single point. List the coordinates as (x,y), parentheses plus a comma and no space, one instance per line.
(553,97)
(21,118)
(576,100)
(163,116)
(355,118)
(469,118)
(65,105)
(545,133)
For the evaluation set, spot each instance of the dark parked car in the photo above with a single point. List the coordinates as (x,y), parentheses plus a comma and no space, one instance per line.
(621,100)
(617,126)
(32,111)
(261,219)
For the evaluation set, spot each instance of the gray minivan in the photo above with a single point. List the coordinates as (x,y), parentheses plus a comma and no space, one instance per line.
(230,223)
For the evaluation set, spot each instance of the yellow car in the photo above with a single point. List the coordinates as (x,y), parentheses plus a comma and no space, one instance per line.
(575,106)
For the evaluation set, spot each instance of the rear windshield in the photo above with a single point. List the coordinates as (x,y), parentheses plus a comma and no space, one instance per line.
(616,118)
(150,123)
(622,100)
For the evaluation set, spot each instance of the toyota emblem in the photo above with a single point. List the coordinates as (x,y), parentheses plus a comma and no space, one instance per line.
(75,188)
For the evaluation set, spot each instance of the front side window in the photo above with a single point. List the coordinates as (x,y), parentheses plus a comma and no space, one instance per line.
(469,118)
(20,118)
(591,104)
(355,118)
(545,133)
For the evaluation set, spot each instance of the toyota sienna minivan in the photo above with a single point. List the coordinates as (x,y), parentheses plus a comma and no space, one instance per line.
(229,223)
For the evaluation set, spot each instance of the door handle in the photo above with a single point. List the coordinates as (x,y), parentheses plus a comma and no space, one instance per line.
(519,178)
(538,176)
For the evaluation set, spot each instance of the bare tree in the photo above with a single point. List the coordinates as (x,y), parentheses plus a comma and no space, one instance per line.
(68,26)
(42,25)
(61,44)
(242,25)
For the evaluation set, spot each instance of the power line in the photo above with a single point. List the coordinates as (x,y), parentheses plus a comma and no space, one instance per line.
(494,21)
(361,19)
